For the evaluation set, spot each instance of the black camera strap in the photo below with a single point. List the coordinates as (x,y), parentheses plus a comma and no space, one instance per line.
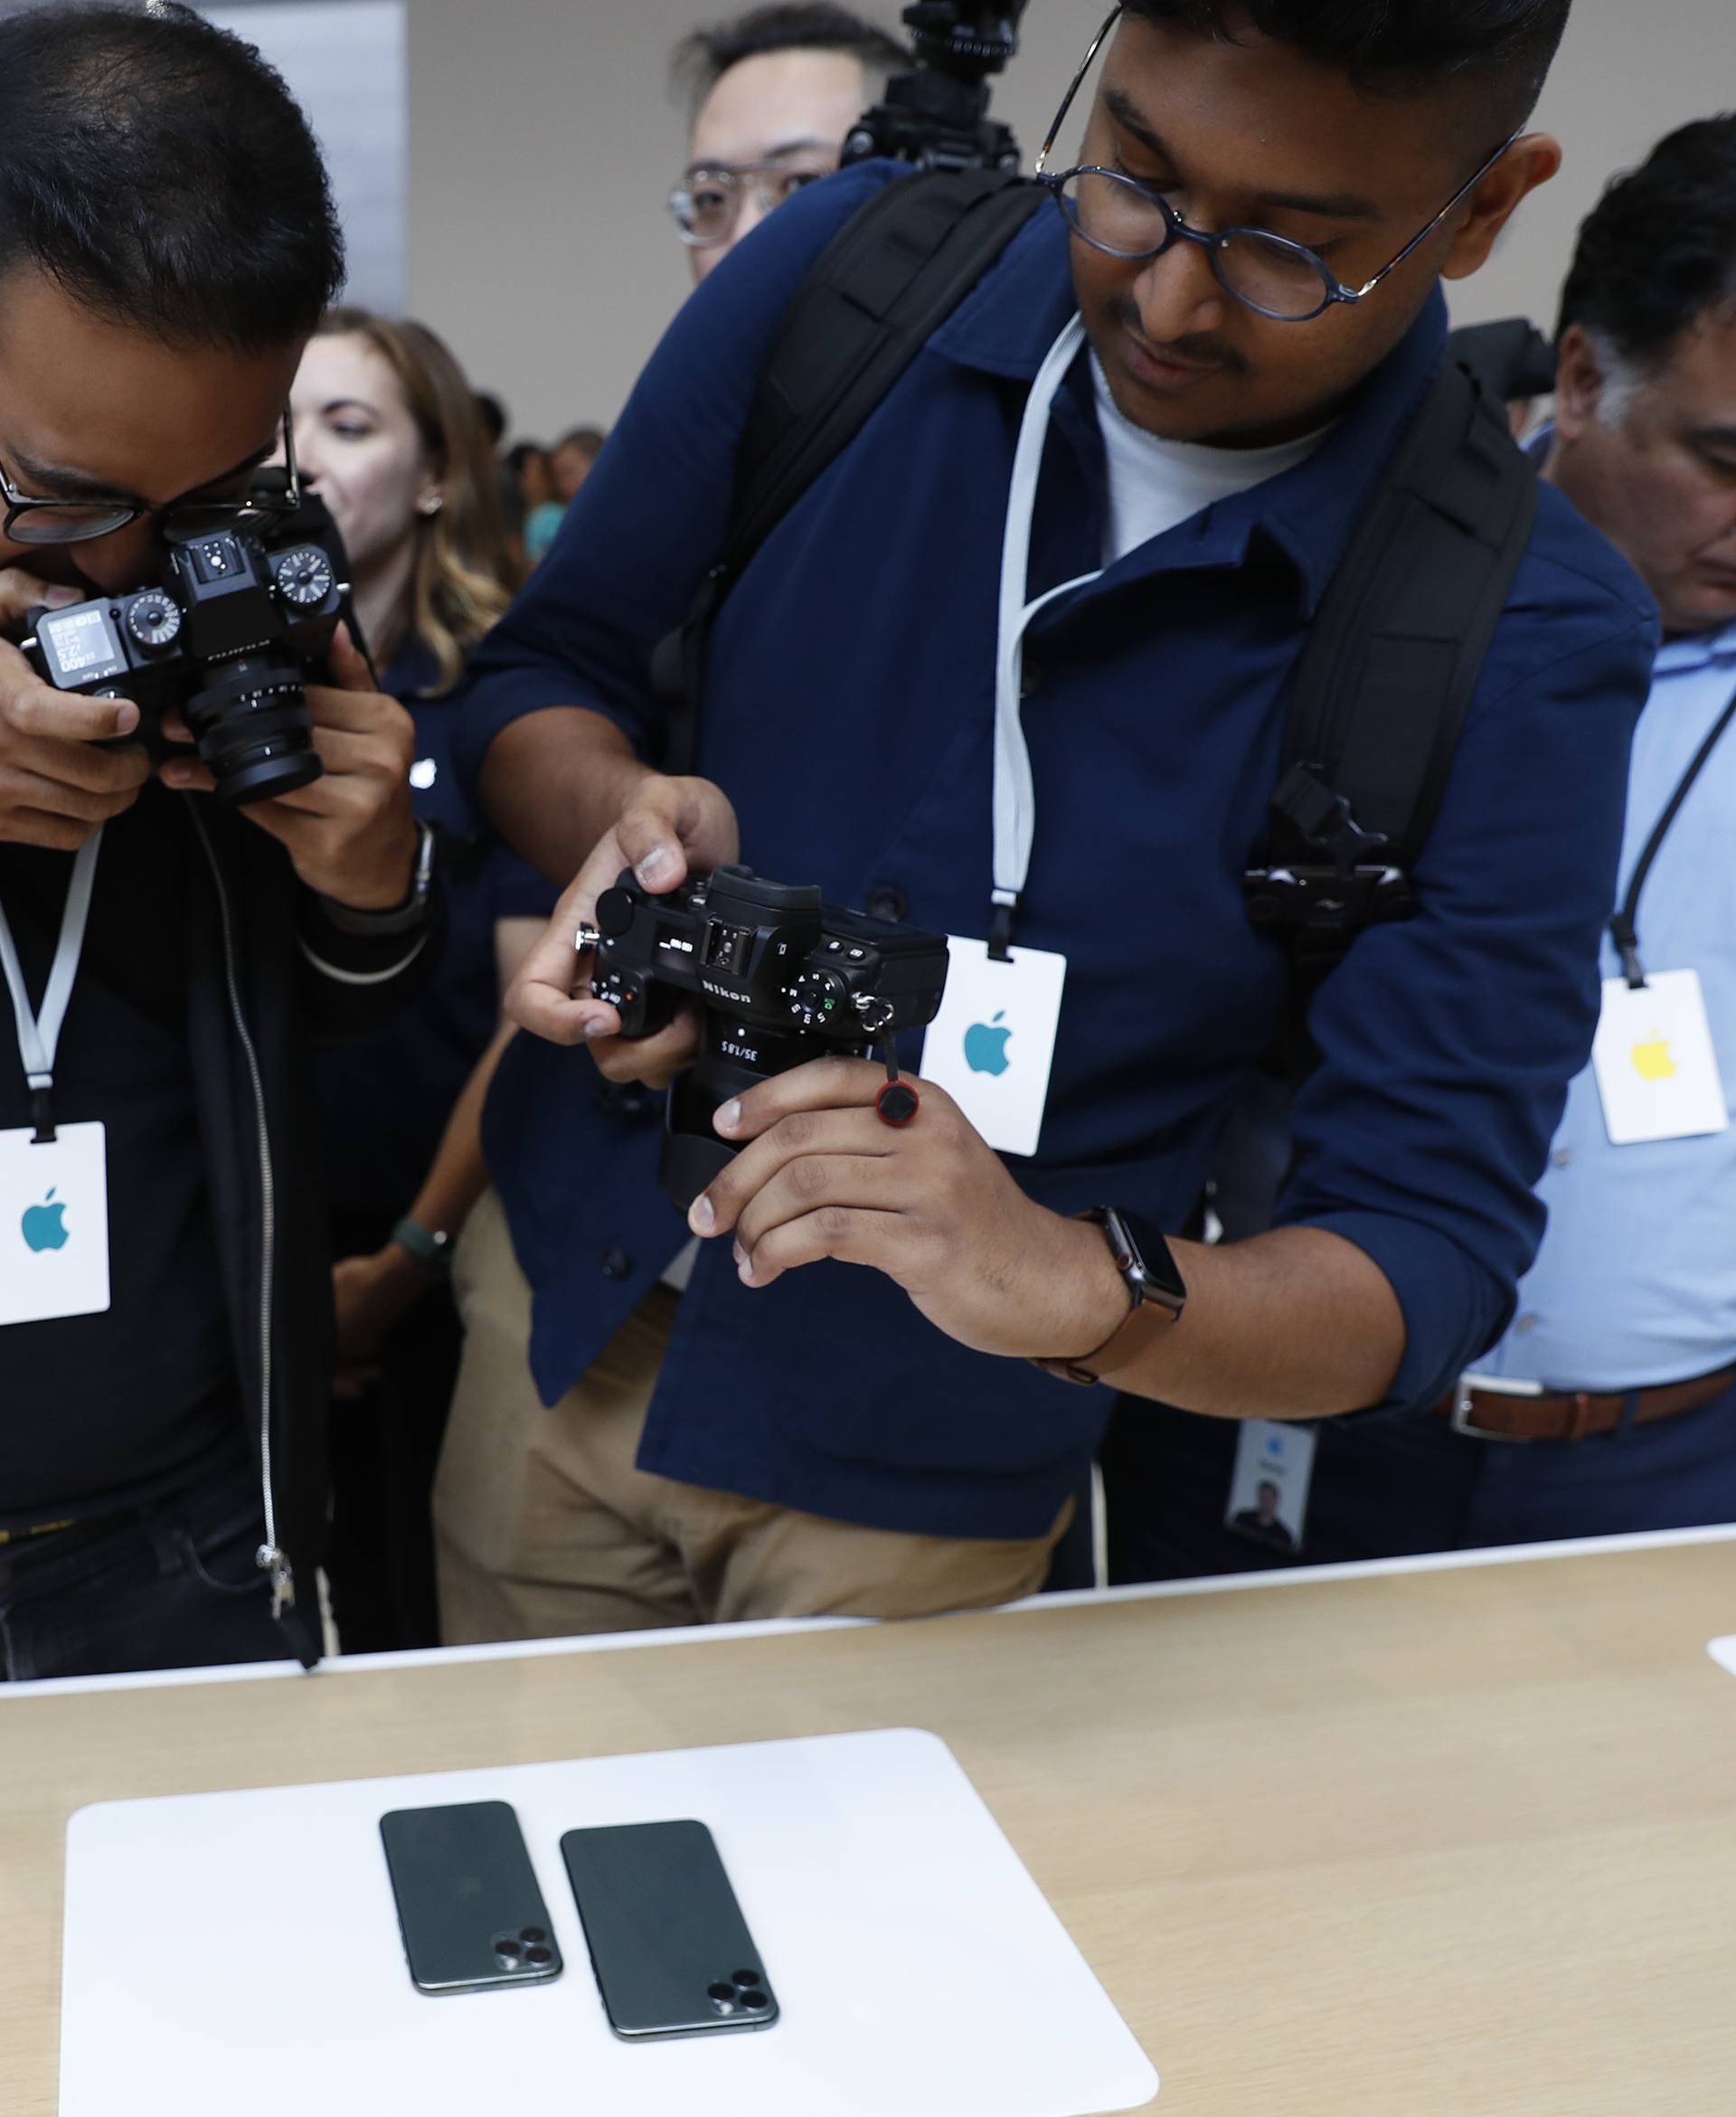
(1624,928)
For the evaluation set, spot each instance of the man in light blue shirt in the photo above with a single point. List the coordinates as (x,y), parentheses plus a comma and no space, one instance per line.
(1610,1403)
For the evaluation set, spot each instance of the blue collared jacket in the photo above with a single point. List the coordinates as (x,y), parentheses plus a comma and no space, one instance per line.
(849,715)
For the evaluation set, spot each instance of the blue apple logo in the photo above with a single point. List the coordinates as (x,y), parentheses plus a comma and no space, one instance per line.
(43,1225)
(985,1046)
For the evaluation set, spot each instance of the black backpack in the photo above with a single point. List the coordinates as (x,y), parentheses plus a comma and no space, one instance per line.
(1393,656)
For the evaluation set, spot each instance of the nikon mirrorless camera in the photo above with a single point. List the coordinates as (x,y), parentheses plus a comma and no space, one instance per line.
(780,977)
(241,619)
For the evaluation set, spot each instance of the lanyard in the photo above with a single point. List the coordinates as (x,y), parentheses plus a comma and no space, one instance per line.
(38,1036)
(1624,928)
(1015,798)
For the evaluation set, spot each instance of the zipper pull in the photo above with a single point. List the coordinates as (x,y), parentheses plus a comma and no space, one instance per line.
(270,1559)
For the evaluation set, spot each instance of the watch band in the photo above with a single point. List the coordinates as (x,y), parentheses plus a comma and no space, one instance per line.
(1157,1299)
(402,918)
(430,1247)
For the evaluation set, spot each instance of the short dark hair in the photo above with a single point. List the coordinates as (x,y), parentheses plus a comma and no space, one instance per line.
(158,170)
(702,60)
(1658,249)
(1504,46)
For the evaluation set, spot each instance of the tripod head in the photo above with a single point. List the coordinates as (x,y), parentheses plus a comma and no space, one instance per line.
(936,116)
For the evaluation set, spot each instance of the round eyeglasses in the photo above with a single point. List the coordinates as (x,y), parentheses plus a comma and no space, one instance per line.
(1122,217)
(706,204)
(31,519)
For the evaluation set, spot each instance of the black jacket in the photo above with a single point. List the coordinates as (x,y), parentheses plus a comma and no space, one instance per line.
(269,977)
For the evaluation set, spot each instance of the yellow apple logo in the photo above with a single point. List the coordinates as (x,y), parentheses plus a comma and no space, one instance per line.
(1652,1060)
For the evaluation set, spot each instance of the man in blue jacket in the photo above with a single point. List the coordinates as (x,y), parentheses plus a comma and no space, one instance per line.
(1610,1405)
(1184,414)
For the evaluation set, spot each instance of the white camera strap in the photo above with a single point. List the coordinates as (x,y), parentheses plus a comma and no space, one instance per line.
(38,1036)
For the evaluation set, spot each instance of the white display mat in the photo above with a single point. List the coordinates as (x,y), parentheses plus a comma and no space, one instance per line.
(1723,1652)
(241,1952)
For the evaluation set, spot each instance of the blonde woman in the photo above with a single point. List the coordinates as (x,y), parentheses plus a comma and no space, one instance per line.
(387,433)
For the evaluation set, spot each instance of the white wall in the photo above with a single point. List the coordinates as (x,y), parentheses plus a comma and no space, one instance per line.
(542,142)
(343,61)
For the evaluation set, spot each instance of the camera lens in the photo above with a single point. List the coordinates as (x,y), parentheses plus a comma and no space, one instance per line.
(745,1977)
(539,1955)
(755,1999)
(253,728)
(507,1947)
(721,1996)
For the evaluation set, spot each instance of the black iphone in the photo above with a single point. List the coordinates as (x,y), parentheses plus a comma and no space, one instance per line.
(468,1906)
(672,1952)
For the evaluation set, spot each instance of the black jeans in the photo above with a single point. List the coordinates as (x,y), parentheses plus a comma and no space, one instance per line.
(167,1584)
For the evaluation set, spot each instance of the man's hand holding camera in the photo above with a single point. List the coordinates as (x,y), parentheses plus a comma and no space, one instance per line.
(56,789)
(664,827)
(932,1207)
(352,834)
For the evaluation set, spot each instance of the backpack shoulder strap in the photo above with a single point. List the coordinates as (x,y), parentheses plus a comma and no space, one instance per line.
(1388,674)
(886,282)
(1511,360)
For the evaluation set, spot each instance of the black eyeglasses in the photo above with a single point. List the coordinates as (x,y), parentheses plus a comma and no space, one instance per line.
(30,520)
(1268,273)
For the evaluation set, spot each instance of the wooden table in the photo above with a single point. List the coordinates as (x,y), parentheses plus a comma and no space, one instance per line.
(1372,1843)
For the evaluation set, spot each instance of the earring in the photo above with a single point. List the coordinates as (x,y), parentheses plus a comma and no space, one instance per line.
(430,503)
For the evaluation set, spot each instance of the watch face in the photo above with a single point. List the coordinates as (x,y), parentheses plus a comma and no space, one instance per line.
(1150,1260)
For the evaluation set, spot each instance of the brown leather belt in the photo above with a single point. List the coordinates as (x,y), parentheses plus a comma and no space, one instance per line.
(1492,1414)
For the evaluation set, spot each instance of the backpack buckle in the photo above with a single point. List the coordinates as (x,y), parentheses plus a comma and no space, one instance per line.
(1326,900)
(1352,888)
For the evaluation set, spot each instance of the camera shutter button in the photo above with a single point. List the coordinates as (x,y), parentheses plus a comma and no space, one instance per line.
(614,913)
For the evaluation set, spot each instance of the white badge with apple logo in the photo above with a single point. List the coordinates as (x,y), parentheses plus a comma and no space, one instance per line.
(54,1224)
(1657,1070)
(53,1179)
(993,1042)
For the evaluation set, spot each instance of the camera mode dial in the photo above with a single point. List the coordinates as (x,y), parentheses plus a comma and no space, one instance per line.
(154,619)
(819,997)
(303,576)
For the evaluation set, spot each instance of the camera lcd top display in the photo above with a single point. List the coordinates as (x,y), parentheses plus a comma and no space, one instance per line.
(80,645)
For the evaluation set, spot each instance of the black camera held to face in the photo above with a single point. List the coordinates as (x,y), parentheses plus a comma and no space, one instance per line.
(242,620)
(781,979)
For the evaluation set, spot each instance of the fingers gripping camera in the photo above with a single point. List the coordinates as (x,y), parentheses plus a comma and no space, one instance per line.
(780,978)
(231,638)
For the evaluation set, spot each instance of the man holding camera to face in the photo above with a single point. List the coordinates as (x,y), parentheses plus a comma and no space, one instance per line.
(207,853)
(1015,666)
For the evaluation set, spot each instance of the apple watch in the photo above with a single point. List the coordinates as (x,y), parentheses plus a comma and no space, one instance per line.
(403,918)
(1154,1287)
(430,1247)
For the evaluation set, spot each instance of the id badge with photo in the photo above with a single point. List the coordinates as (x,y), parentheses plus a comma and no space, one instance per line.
(54,1224)
(1656,1070)
(1269,1491)
(993,1042)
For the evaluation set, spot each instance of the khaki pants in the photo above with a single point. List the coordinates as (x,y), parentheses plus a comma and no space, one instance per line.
(544,1528)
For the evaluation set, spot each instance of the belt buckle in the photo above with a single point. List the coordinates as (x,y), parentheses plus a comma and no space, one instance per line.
(1495,1386)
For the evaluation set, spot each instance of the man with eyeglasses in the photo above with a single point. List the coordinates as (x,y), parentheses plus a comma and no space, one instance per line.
(168,243)
(1609,1403)
(773,94)
(1017,665)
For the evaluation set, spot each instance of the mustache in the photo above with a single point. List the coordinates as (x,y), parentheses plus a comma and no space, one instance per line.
(1200,350)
